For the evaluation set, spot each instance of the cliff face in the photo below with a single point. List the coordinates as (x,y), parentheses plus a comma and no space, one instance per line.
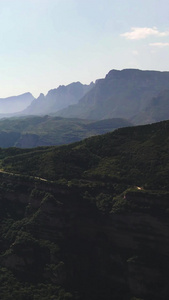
(156,111)
(121,94)
(60,237)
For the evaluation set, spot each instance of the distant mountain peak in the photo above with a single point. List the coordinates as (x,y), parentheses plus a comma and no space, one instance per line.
(41,96)
(15,104)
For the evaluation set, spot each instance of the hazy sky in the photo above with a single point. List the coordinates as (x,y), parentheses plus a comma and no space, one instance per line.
(45,43)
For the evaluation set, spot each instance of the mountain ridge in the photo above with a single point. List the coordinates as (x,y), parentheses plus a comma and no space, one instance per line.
(58,98)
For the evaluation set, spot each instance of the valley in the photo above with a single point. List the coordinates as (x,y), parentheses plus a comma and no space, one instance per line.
(84,192)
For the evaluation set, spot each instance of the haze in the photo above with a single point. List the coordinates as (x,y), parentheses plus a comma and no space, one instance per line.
(46,43)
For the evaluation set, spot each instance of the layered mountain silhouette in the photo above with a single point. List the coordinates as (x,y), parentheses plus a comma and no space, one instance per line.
(140,96)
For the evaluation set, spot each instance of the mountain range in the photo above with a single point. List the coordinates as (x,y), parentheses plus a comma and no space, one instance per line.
(130,95)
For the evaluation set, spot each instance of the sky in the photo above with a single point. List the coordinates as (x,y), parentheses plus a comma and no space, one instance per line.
(47,43)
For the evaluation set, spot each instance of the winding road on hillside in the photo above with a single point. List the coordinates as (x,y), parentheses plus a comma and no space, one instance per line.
(15,174)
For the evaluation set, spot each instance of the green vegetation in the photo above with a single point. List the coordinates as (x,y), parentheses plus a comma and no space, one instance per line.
(88,220)
(135,156)
(34,131)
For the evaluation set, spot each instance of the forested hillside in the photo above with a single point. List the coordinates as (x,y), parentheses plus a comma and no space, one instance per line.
(137,154)
(88,220)
(33,131)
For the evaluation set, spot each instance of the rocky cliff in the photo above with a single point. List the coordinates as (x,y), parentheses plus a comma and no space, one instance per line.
(120,94)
